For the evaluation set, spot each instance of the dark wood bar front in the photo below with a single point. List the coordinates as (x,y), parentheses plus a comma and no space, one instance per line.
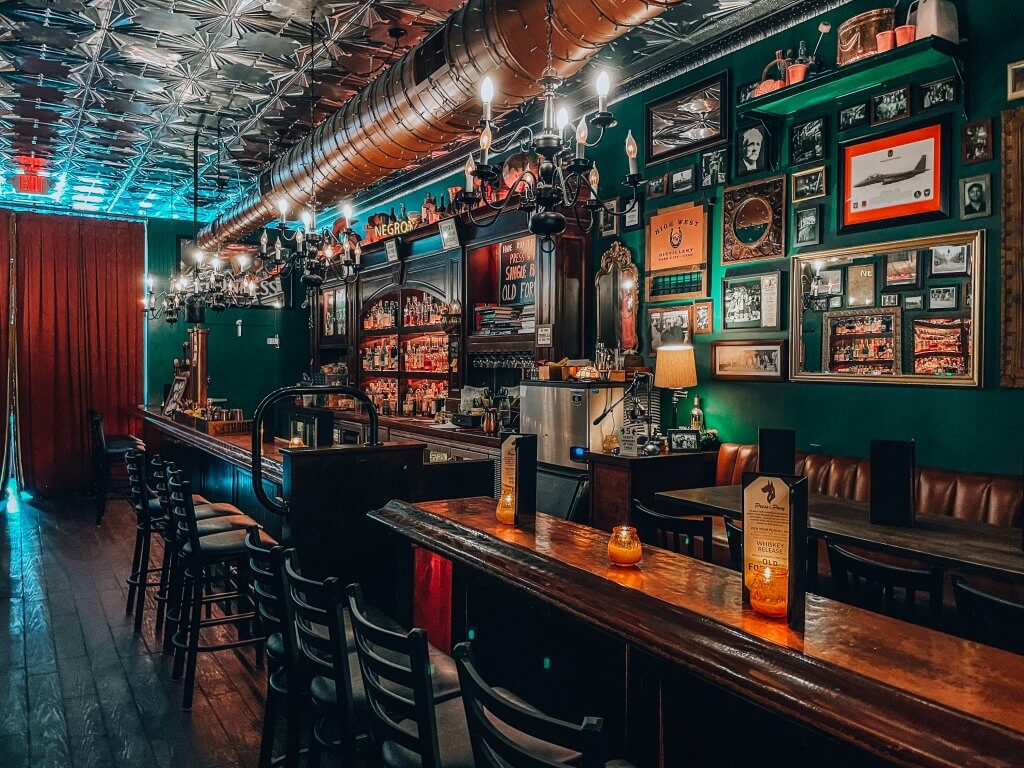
(852,688)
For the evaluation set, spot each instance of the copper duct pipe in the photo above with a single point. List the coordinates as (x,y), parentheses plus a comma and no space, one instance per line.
(406,113)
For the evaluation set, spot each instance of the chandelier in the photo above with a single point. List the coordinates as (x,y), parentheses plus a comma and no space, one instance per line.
(208,284)
(565,177)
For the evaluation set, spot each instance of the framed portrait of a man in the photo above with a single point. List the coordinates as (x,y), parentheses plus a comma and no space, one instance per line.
(976,197)
(752,148)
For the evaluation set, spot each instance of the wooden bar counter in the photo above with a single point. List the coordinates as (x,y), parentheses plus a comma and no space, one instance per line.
(852,688)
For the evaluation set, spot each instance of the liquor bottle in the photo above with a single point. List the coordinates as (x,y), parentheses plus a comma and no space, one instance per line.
(402,215)
(442,208)
(697,415)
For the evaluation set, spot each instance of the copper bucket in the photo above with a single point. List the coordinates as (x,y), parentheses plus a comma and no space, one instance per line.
(858,36)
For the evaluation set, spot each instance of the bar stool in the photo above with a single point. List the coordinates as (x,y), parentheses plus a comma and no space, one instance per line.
(107,451)
(988,618)
(674,533)
(505,732)
(284,687)
(149,522)
(198,557)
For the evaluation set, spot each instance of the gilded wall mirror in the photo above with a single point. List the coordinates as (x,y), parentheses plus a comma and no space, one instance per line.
(902,312)
(616,282)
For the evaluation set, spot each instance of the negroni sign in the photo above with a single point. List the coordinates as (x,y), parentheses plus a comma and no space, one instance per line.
(677,237)
(392,229)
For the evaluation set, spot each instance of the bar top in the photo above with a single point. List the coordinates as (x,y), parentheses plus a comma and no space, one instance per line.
(914,696)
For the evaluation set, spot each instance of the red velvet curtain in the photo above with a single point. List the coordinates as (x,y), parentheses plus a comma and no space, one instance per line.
(79,340)
(6,234)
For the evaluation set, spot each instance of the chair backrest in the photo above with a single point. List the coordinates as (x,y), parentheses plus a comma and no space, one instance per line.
(734,535)
(97,436)
(158,477)
(579,507)
(266,580)
(676,533)
(183,511)
(396,677)
(873,585)
(987,618)
(314,610)
(135,464)
(500,747)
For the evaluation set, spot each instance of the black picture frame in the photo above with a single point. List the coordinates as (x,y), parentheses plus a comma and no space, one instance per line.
(853,116)
(803,149)
(719,177)
(763,161)
(679,183)
(804,238)
(937,94)
(626,223)
(753,279)
(684,440)
(657,186)
(608,222)
(955,289)
(902,285)
(880,111)
(721,81)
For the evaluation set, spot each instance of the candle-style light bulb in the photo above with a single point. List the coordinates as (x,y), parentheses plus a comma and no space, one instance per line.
(581,137)
(486,137)
(470,167)
(631,150)
(282,208)
(487,96)
(595,179)
(603,86)
(199,256)
(216,264)
(357,252)
(243,262)
(306,219)
(264,239)
(277,249)
(561,119)
(328,252)
(346,211)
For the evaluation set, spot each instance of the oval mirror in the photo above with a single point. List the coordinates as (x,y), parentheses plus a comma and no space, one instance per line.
(752,221)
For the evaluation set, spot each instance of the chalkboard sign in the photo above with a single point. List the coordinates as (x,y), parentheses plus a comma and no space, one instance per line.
(517,273)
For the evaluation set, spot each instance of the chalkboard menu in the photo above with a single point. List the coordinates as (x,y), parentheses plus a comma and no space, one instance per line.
(517,272)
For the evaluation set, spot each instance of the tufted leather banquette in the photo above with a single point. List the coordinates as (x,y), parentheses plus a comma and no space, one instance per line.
(995,499)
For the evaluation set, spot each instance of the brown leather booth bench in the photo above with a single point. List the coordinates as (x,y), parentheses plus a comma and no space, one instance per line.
(995,499)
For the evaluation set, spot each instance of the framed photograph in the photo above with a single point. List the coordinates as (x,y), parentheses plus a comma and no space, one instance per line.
(657,186)
(854,116)
(860,285)
(755,360)
(667,325)
(746,91)
(894,178)
(830,282)
(835,302)
(945,298)
(634,216)
(890,299)
(752,302)
(713,169)
(891,105)
(912,303)
(902,270)
(807,226)
(1015,80)
(809,184)
(175,394)
(680,440)
(684,180)
(807,142)
(608,222)
(752,149)
(703,316)
(976,142)
(976,197)
(449,233)
(942,346)
(938,93)
(948,260)
(754,221)
(693,118)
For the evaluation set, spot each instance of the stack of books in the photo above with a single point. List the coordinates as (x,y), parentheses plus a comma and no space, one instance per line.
(529,318)
(494,320)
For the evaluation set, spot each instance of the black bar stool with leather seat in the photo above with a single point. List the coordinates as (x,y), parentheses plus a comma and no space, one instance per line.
(988,618)
(198,557)
(678,534)
(108,451)
(505,732)
(284,685)
(149,522)
(734,536)
(211,518)
(871,584)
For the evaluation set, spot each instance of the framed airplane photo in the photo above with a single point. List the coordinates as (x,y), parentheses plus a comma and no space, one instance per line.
(896,178)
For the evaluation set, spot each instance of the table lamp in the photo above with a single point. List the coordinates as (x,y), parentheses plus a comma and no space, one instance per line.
(675,369)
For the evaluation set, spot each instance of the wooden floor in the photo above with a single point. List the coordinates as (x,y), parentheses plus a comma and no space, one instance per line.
(77,686)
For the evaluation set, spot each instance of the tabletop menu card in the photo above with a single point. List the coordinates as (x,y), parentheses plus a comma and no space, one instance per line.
(517,503)
(776,451)
(775,544)
(893,482)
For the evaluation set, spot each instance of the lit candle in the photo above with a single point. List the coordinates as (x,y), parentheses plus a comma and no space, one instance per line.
(282,208)
(624,546)
(603,86)
(486,96)
(631,153)
(506,511)
(595,179)
(486,137)
(296,442)
(769,592)
(470,167)
(581,137)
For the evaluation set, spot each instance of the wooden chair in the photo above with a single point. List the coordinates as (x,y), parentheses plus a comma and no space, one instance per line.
(987,618)
(873,585)
(734,535)
(678,534)
(505,732)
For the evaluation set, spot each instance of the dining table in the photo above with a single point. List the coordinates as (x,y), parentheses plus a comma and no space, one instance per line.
(948,542)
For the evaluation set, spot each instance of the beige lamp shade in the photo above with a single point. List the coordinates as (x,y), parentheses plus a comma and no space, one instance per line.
(675,367)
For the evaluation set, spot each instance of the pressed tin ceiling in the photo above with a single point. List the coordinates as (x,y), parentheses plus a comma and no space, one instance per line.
(105,96)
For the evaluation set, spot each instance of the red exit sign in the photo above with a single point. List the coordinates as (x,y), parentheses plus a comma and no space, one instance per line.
(31,184)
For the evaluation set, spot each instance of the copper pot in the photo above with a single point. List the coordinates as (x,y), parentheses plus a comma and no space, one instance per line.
(858,36)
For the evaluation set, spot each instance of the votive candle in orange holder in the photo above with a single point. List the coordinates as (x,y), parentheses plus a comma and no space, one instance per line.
(769,592)
(624,546)
(296,442)
(506,511)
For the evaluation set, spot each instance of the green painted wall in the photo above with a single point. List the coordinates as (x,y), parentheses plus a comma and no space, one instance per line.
(241,369)
(978,429)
